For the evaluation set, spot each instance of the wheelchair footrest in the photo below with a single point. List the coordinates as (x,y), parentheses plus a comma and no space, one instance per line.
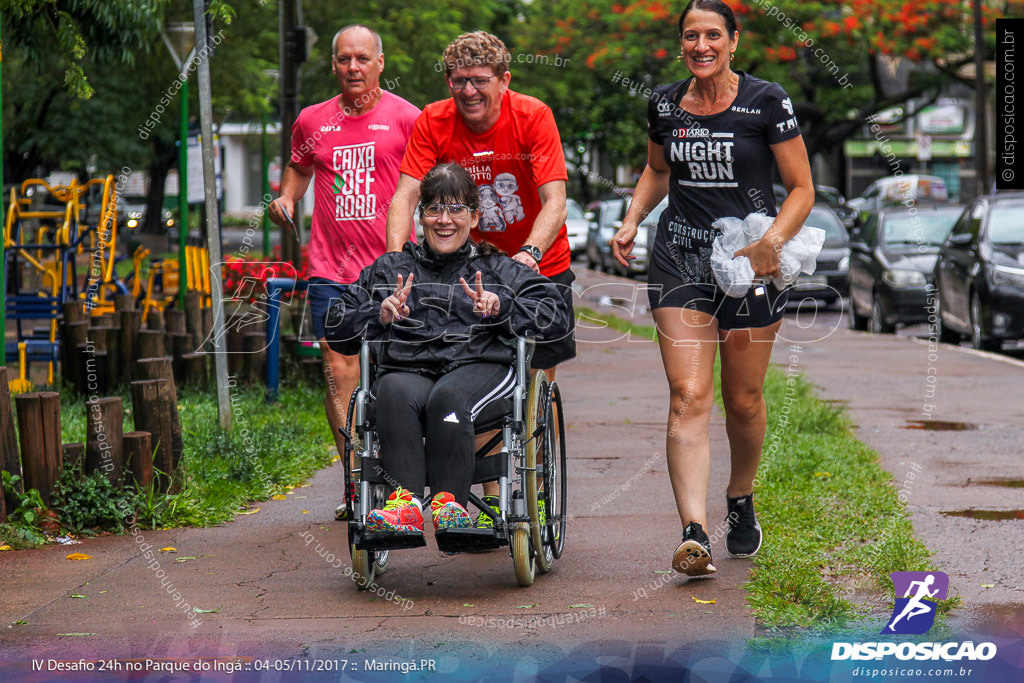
(467,540)
(396,540)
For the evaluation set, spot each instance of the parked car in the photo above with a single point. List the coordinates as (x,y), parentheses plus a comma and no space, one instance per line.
(608,215)
(576,227)
(833,198)
(606,220)
(979,273)
(823,194)
(891,265)
(895,190)
(832,270)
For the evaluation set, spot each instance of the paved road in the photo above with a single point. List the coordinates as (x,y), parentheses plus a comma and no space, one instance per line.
(276,578)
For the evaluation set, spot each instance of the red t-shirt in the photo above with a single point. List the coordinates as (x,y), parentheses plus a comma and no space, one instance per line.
(518,154)
(355,161)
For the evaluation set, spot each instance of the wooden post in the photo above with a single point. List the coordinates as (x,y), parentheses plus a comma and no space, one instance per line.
(92,378)
(160,368)
(152,414)
(236,360)
(124,302)
(175,320)
(155,320)
(72,311)
(138,458)
(9,460)
(131,324)
(104,438)
(113,351)
(194,318)
(254,346)
(39,430)
(194,372)
(74,456)
(74,334)
(151,345)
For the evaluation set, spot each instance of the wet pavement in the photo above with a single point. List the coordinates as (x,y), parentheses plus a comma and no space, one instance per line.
(274,581)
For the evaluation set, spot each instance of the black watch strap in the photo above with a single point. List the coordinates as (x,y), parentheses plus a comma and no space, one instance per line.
(533,251)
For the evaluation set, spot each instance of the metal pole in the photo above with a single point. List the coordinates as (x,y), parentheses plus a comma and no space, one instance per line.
(288,20)
(212,216)
(980,120)
(3,226)
(183,192)
(264,165)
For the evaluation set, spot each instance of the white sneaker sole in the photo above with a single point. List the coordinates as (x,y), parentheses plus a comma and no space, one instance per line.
(692,559)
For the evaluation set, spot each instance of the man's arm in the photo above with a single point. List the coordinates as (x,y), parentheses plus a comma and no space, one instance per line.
(402,210)
(294,182)
(549,221)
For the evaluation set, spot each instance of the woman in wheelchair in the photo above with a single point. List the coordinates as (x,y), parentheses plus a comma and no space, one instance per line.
(442,318)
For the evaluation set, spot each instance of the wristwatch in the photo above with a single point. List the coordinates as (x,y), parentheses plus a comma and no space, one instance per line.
(533,251)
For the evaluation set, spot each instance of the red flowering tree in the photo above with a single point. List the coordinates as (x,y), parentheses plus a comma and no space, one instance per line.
(840,61)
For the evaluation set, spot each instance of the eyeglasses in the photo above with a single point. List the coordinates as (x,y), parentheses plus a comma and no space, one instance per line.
(459,211)
(479,82)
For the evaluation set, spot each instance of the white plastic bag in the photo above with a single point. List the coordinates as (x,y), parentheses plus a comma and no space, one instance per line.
(736,276)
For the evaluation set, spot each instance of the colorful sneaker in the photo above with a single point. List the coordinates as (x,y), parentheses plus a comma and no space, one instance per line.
(402,512)
(744,537)
(482,520)
(693,556)
(448,514)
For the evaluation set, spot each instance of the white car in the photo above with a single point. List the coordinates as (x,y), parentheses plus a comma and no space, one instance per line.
(576,226)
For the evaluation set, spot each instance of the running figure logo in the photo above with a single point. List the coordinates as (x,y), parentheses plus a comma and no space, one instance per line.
(914,612)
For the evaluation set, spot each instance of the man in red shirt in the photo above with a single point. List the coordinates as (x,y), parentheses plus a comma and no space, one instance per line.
(510,145)
(353,145)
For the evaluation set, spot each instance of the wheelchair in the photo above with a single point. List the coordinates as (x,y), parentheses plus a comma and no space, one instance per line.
(529,469)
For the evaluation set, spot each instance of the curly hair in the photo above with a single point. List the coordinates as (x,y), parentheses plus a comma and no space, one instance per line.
(476,48)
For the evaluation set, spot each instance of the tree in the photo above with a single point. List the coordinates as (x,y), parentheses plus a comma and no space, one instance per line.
(837,60)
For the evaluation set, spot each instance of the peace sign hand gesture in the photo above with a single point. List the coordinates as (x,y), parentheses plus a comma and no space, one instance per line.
(485,303)
(393,308)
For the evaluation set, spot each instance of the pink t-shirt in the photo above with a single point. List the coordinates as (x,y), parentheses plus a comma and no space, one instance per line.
(356,161)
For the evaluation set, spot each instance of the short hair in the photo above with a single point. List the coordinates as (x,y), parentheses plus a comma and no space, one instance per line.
(716,6)
(377,44)
(476,48)
(451,184)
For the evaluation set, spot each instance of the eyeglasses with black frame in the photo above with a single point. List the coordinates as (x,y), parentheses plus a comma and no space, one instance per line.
(479,82)
(458,211)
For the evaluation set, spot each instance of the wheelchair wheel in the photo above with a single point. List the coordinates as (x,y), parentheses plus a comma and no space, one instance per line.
(364,567)
(522,559)
(539,454)
(555,480)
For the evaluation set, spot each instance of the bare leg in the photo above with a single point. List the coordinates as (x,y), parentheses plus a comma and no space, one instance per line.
(688,340)
(342,377)
(745,357)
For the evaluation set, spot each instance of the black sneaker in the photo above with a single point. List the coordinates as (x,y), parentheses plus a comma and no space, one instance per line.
(693,556)
(744,537)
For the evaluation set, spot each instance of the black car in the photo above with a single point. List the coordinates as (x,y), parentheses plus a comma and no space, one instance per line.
(891,265)
(979,274)
(832,270)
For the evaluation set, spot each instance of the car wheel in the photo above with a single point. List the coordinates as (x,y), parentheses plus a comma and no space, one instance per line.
(978,339)
(853,319)
(591,263)
(945,335)
(877,323)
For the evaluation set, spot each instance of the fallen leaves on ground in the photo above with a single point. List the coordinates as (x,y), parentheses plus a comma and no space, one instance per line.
(78,556)
(279,496)
(206,611)
(702,602)
(250,512)
(168,549)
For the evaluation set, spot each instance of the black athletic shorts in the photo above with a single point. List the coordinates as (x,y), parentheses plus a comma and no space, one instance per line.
(762,306)
(548,354)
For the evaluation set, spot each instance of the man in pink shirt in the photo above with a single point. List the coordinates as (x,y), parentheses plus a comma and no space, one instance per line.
(351,146)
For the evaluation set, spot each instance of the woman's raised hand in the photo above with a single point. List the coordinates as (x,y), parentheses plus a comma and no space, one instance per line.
(485,303)
(394,308)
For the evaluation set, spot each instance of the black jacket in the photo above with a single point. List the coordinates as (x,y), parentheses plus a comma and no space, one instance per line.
(441,331)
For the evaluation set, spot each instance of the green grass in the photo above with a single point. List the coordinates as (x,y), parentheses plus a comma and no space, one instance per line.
(270,448)
(834,526)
